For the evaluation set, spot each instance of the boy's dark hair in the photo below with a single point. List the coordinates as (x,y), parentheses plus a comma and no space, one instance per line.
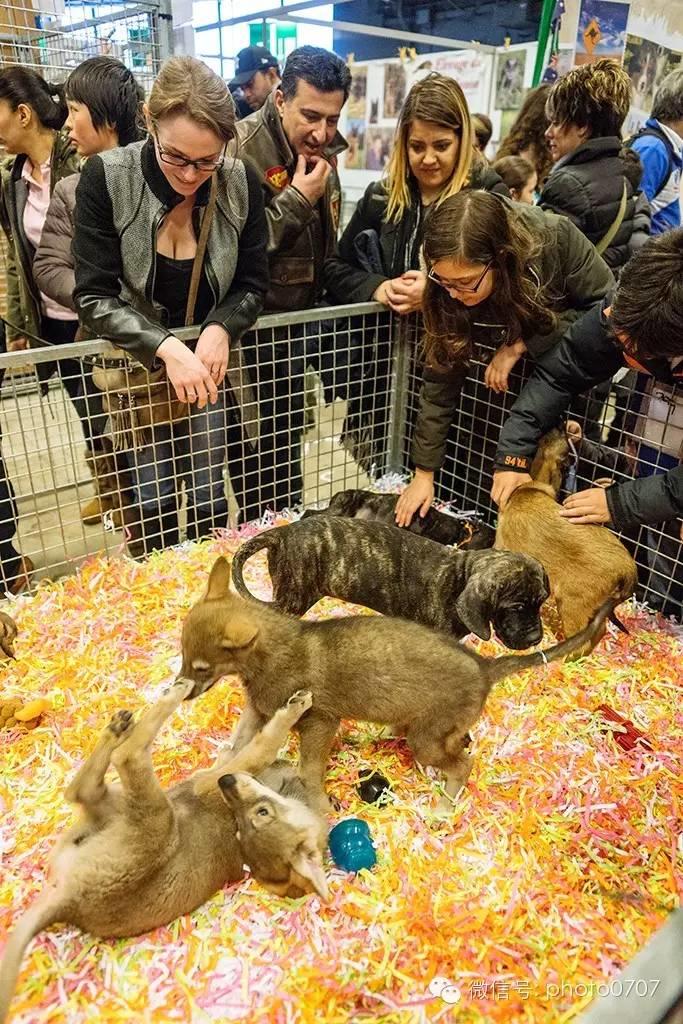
(483,129)
(112,95)
(323,70)
(648,304)
(594,96)
(22,85)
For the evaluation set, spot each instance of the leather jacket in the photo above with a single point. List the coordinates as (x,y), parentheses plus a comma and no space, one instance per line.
(297,248)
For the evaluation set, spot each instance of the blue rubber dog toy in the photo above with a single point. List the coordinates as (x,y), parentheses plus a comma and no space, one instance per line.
(351,845)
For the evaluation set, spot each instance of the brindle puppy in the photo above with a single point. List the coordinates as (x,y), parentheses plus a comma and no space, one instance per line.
(437,526)
(398,573)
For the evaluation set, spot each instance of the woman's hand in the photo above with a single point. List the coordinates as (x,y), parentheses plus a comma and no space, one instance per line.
(586,507)
(505,483)
(190,378)
(498,370)
(406,292)
(213,348)
(18,344)
(419,494)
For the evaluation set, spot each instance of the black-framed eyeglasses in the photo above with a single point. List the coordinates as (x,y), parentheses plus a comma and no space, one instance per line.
(455,285)
(175,160)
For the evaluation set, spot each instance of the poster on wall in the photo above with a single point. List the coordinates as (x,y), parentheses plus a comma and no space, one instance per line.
(378,147)
(357,95)
(354,156)
(602,31)
(510,80)
(647,63)
(395,88)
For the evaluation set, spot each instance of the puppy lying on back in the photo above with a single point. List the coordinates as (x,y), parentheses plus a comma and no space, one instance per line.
(398,573)
(367,668)
(437,526)
(585,564)
(142,856)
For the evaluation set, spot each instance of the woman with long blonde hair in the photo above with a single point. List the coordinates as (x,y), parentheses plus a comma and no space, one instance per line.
(433,158)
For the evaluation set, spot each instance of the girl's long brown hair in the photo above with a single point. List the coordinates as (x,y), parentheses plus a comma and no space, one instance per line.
(437,99)
(528,132)
(479,227)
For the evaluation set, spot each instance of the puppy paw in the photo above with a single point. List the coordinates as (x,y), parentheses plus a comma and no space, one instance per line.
(300,701)
(121,723)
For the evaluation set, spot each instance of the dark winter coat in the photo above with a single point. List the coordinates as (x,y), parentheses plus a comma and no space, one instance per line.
(588,185)
(586,356)
(346,279)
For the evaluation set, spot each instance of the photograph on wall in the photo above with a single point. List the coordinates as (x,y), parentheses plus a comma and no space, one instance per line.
(510,80)
(647,63)
(354,156)
(394,89)
(374,92)
(602,31)
(356,105)
(378,146)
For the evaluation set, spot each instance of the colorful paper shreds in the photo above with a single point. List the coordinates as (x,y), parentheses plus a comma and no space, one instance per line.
(556,865)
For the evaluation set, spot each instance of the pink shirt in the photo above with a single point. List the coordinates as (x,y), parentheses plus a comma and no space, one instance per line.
(35,212)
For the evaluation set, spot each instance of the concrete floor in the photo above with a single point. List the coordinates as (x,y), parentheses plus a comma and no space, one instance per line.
(44,454)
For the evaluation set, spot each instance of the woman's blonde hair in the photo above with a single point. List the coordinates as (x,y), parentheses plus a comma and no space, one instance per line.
(186,86)
(439,100)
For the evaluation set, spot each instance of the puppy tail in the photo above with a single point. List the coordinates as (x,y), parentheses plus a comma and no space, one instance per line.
(243,554)
(45,911)
(510,663)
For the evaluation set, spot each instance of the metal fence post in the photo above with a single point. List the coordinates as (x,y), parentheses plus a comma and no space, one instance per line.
(401,329)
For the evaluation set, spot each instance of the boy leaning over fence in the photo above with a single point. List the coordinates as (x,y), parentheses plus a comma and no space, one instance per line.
(641,327)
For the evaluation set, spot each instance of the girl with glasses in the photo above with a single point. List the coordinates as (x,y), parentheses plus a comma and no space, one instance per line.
(500,274)
(141,214)
(433,158)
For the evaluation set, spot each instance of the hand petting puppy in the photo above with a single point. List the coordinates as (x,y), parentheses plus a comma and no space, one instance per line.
(586,507)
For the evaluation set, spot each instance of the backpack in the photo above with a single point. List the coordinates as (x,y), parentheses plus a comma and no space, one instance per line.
(657,133)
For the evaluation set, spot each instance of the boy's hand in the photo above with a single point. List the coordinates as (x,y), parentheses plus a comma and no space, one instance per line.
(505,483)
(586,507)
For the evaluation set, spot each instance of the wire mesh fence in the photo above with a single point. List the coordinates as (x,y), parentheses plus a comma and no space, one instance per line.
(315,402)
(630,429)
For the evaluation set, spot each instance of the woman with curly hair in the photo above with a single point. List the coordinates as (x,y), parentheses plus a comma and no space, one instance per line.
(433,157)
(595,180)
(527,136)
(499,274)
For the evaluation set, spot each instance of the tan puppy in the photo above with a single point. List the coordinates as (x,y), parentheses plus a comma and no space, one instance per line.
(586,565)
(142,856)
(372,669)
(8,634)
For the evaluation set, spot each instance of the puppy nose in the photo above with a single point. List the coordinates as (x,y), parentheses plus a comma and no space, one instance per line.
(227,781)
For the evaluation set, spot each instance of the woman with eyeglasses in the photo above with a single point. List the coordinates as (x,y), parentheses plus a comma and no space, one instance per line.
(500,275)
(138,226)
(433,158)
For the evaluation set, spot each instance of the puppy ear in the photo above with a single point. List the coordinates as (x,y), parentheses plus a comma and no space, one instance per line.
(474,609)
(240,632)
(219,581)
(307,873)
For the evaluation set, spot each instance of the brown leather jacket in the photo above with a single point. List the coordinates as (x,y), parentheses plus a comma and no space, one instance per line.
(297,249)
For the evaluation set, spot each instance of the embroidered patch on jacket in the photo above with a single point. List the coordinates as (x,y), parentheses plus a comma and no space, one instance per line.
(519,461)
(277,177)
(335,208)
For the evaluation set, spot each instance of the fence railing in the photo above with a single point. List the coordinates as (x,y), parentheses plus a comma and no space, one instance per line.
(316,401)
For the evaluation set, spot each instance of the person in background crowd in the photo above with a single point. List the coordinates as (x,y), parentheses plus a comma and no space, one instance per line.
(498,272)
(433,158)
(105,106)
(292,143)
(595,180)
(527,136)
(659,144)
(483,130)
(31,116)
(242,108)
(642,327)
(138,218)
(257,73)
(519,176)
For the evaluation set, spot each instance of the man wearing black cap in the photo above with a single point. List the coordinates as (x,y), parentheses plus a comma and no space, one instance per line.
(257,73)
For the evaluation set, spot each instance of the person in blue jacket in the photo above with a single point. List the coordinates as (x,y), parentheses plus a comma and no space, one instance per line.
(659,144)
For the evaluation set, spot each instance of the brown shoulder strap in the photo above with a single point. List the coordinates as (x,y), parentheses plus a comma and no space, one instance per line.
(199,255)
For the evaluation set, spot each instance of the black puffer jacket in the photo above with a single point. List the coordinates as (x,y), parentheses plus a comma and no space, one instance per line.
(587,186)
(399,241)
(587,355)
